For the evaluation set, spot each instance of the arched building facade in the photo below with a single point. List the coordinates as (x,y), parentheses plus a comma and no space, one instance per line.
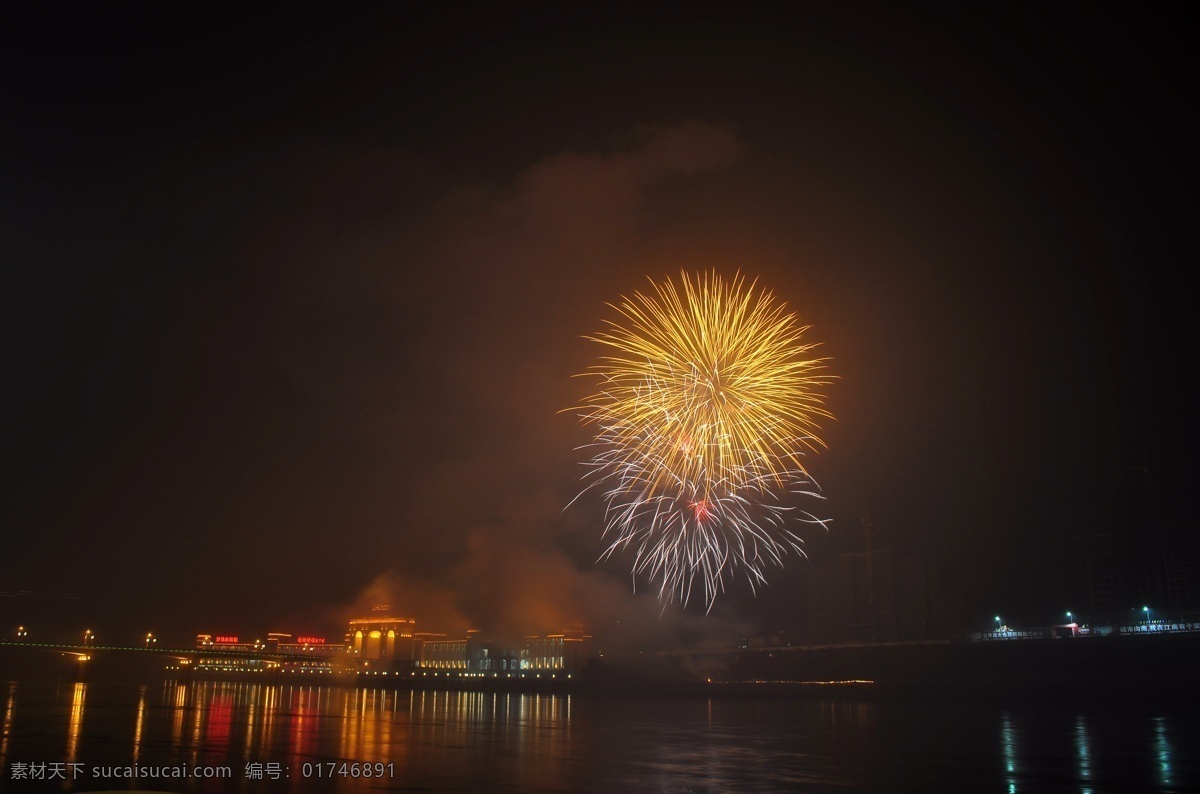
(381,640)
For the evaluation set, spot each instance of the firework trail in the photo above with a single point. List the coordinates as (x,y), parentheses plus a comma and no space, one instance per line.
(707,400)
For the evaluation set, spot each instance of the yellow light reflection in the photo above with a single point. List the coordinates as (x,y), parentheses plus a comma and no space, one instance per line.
(270,705)
(75,726)
(6,726)
(180,696)
(137,728)
(200,698)
(251,723)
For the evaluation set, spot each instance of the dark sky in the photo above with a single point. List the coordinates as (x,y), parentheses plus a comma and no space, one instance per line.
(293,299)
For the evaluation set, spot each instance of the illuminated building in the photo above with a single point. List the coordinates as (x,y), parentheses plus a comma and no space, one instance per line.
(393,644)
(380,644)
(438,652)
(310,654)
(566,651)
(382,638)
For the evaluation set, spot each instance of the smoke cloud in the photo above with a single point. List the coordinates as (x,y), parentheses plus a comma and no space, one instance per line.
(508,279)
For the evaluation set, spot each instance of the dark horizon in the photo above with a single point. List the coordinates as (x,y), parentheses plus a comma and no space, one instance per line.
(295,302)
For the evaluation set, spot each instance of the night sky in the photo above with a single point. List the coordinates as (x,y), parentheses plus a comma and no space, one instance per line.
(293,299)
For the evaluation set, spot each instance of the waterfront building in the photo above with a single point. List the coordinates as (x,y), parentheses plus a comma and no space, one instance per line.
(1120,579)
(380,643)
(380,637)
(566,651)
(384,642)
(437,652)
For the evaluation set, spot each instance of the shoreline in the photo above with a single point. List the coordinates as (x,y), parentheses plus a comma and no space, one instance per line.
(1113,669)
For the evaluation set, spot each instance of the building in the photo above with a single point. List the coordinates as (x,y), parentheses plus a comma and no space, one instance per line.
(567,651)
(438,652)
(380,637)
(280,653)
(1120,578)
(383,642)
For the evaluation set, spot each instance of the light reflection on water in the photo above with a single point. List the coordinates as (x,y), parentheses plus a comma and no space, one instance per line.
(1008,746)
(444,740)
(1083,746)
(1162,753)
(78,700)
(6,727)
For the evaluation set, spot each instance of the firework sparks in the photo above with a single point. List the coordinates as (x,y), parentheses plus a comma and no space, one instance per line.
(707,401)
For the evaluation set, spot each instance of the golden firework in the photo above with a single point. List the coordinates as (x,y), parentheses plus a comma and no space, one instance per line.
(708,397)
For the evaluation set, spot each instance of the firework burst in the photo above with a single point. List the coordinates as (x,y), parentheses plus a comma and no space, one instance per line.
(707,401)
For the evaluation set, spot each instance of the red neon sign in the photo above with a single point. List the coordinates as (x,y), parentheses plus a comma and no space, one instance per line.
(311,640)
(225,638)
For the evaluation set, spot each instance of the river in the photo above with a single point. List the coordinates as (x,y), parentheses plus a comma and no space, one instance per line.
(253,737)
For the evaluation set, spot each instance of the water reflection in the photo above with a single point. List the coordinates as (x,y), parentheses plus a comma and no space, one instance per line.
(137,727)
(1008,748)
(7,726)
(273,723)
(303,728)
(252,716)
(445,740)
(1162,753)
(848,715)
(219,722)
(78,698)
(266,726)
(177,693)
(1083,750)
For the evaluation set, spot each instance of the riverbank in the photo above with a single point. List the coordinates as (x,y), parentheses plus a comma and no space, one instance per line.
(1108,668)
(1160,666)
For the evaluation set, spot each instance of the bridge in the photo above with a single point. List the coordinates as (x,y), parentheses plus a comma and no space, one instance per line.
(195,658)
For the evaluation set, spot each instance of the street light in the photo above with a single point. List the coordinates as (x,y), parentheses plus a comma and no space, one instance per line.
(998,624)
(150,638)
(1146,612)
(88,636)
(1069,615)
(21,632)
